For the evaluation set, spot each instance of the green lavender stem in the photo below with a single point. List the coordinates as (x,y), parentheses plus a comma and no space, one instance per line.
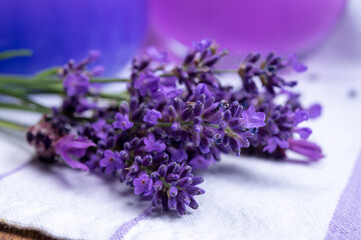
(24,108)
(21,96)
(15,53)
(27,81)
(13,126)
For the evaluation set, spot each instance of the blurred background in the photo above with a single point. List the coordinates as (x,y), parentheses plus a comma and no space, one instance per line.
(58,30)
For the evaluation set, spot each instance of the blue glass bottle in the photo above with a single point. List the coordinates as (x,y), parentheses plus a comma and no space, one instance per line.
(56,30)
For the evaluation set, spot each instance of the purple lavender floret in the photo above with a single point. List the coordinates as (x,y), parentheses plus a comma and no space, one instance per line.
(253,119)
(152,117)
(101,128)
(296,64)
(69,147)
(76,84)
(111,161)
(143,185)
(122,122)
(176,118)
(151,144)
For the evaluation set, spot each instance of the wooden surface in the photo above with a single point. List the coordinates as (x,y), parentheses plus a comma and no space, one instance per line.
(13,233)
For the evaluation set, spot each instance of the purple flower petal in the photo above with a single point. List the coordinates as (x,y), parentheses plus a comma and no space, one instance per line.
(296,64)
(314,110)
(157,56)
(76,84)
(304,132)
(177,155)
(308,149)
(152,117)
(253,119)
(122,122)
(300,116)
(68,146)
(273,142)
(202,45)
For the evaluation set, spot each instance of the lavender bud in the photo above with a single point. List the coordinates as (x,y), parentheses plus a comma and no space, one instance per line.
(178,103)
(173,191)
(193,204)
(124,108)
(171,167)
(185,172)
(176,169)
(186,113)
(209,102)
(198,108)
(134,102)
(130,178)
(238,112)
(135,142)
(197,128)
(171,177)
(158,185)
(202,98)
(162,157)
(127,146)
(134,168)
(184,182)
(243,142)
(208,132)
(162,170)
(123,155)
(147,160)
(191,190)
(172,112)
(197,180)
(183,197)
(233,144)
(155,176)
(157,199)
(138,160)
(222,125)
(254,57)
(189,57)
(210,62)
(227,116)
(181,208)
(196,137)
(175,126)
(234,107)
(197,121)
(218,138)
(225,140)
(172,203)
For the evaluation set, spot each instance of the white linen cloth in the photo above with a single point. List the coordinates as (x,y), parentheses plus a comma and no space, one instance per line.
(246,198)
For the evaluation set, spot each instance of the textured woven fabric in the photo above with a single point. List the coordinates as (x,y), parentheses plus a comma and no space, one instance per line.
(346,221)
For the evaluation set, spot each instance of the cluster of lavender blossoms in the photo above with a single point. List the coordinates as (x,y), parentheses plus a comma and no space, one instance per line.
(176,118)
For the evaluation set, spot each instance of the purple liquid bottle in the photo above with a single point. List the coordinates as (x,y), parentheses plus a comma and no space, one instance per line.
(248,25)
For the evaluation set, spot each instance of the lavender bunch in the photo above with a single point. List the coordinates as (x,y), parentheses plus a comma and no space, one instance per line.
(174,118)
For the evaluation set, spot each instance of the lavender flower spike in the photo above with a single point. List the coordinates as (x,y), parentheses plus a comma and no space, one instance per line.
(176,117)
